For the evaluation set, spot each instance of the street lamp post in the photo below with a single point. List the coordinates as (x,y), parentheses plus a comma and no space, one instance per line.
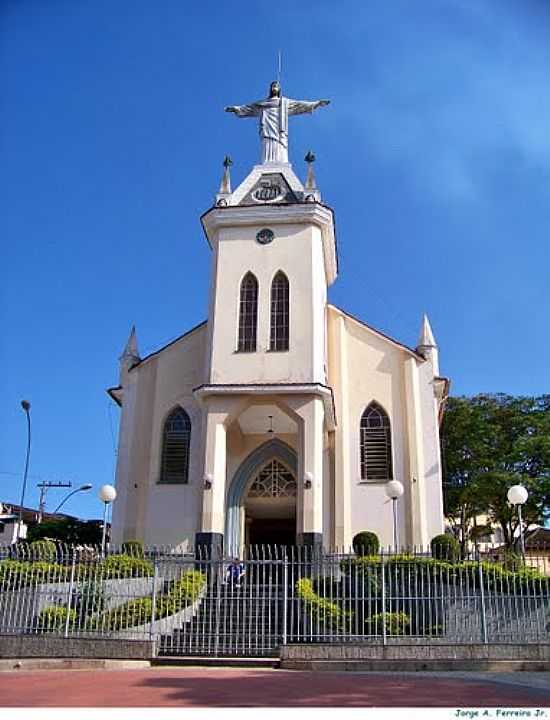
(517,495)
(394,490)
(107,494)
(25,404)
(44,487)
(82,488)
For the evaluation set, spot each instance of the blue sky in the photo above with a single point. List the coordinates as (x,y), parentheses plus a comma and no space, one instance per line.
(434,153)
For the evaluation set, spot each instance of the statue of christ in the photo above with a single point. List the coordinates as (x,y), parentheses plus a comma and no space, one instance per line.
(273,113)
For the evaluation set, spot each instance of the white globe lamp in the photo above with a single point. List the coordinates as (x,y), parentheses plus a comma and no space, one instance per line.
(517,495)
(107,494)
(394,490)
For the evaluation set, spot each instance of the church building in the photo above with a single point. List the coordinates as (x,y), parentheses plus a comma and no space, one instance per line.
(281,418)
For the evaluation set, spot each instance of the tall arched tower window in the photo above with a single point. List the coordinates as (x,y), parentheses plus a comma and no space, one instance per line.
(279,313)
(376,453)
(176,442)
(248,314)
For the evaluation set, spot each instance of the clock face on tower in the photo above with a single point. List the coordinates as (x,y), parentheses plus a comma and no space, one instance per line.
(265,236)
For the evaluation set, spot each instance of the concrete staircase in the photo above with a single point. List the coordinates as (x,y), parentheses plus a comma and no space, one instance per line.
(232,620)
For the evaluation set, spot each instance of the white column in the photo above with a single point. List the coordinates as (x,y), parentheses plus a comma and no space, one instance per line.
(312,413)
(213,506)
(342,479)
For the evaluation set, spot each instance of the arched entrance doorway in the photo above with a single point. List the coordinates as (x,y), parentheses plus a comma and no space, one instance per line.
(270,506)
(261,503)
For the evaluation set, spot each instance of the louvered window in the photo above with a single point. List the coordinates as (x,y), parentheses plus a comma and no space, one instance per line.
(176,441)
(376,455)
(279,313)
(248,314)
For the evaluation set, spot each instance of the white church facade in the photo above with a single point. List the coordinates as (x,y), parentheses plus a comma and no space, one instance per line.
(281,418)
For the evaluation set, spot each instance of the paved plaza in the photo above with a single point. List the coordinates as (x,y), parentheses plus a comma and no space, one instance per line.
(231,687)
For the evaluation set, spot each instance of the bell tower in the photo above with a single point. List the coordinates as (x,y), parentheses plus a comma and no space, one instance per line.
(274,257)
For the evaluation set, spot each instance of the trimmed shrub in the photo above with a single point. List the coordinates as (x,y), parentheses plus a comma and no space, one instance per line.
(21,573)
(180,594)
(445,547)
(396,623)
(366,543)
(43,550)
(124,566)
(325,610)
(54,618)
(130,614)
(512,561)
(134,548)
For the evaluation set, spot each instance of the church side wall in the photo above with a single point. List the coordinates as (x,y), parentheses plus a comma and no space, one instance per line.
(374,372)
(121,511)
(165,514)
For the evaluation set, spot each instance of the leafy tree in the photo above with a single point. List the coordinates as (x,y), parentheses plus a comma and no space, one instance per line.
(67,530)
(489,443)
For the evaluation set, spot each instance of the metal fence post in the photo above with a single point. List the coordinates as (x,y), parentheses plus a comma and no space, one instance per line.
(383,600)
(154,597)
(70,593)
(483,608)
(285,598)
(218,585)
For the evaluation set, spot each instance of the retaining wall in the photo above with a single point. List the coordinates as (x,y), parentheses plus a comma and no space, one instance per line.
(48,646)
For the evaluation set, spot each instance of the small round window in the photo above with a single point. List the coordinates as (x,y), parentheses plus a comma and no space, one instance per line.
(265,236)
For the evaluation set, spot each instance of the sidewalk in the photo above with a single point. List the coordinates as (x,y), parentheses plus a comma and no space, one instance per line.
(230,687)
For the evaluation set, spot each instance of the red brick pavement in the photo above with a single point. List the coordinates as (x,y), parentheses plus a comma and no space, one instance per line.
(222,687)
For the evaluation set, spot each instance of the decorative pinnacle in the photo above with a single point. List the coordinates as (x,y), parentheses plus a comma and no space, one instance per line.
(311,183)
(225,187)
(426,339)
(131,352)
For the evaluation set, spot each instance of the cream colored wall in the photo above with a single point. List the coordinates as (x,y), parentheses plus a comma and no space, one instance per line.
(374,369)
(433,498)
(164,514)
(297,251)
(362,366)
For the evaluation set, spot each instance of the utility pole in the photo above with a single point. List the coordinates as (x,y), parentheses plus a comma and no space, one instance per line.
(44,487)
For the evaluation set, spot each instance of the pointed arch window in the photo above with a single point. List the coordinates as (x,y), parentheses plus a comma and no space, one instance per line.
(248,314)
(279,313)
(176,443)
(375,439)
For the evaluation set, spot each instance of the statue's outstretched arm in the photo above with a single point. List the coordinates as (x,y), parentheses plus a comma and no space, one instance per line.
(244,110)
(298,107)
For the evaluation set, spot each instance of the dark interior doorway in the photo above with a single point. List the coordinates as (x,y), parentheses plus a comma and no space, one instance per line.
(268,531)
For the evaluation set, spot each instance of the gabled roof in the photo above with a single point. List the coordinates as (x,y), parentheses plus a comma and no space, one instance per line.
(378,333)
(116,392)
(172,342)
